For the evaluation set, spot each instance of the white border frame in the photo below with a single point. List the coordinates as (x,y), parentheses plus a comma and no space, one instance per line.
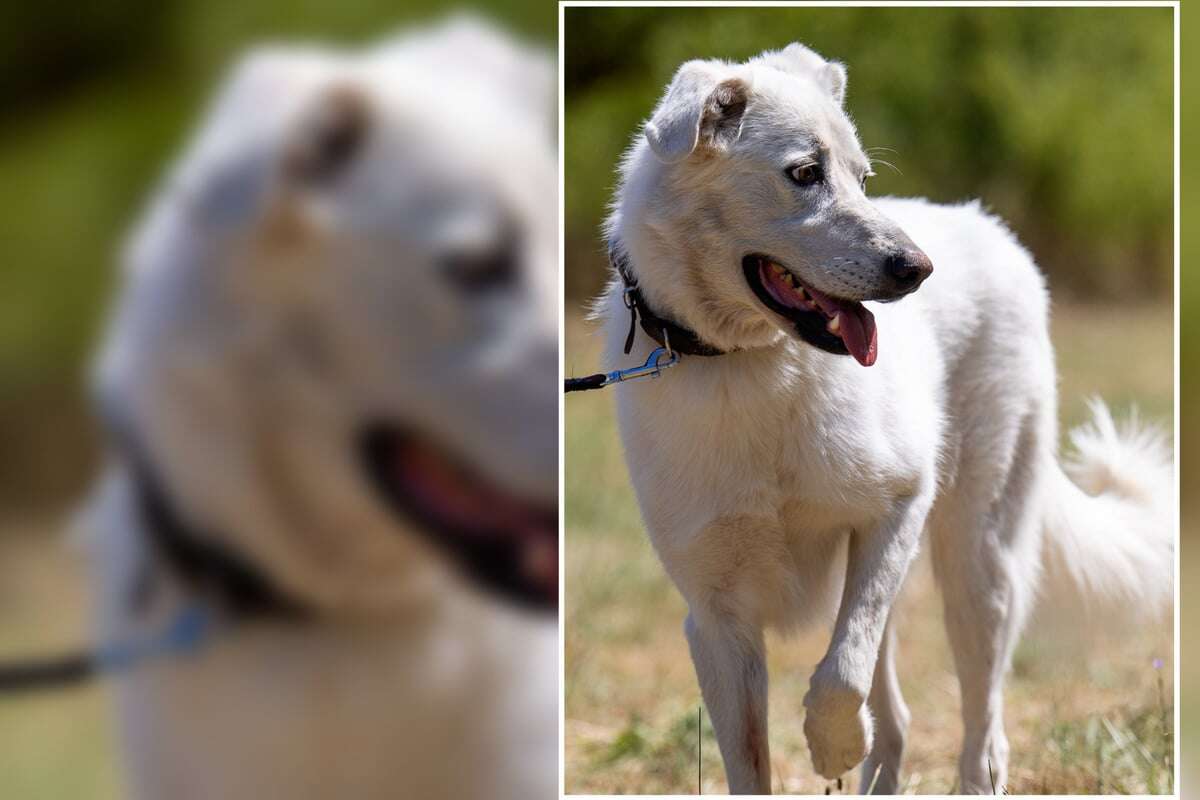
(565,4)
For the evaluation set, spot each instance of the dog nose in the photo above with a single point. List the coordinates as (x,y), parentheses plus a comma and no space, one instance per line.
(908,268)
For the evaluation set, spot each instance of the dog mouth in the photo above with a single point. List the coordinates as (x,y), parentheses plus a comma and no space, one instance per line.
(842,327)
(506,543)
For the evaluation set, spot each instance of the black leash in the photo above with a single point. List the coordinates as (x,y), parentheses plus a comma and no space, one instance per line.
(47,673)
(191,627)
(673,338)
(597,381)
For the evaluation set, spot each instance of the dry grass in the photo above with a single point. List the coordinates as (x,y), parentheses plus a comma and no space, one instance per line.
(1079,721)
(55,744)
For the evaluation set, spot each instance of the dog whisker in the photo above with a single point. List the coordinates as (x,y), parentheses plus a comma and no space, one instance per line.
(888,164)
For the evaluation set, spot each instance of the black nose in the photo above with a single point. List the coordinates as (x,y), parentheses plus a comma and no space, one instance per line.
(908,268)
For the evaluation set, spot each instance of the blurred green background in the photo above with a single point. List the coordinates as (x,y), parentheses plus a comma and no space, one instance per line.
(1189,394)
(95,98)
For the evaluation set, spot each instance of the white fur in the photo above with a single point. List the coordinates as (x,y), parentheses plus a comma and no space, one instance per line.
(782,485)
(261,322)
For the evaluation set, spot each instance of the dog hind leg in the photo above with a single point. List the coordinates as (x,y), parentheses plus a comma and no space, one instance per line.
(985,556)
(881,770)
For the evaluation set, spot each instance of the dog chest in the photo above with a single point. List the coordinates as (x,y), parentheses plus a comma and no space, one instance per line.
(709,440)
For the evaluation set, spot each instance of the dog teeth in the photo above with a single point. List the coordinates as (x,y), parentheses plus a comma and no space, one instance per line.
(788,279)
(834,325)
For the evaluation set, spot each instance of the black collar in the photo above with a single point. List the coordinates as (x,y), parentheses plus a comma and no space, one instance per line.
(662,330)
(204,566)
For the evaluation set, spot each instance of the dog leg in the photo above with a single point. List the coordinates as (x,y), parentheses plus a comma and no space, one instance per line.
(986,597)
(985,556)
(837,724)
(982,599)
(732,669)
(881,770)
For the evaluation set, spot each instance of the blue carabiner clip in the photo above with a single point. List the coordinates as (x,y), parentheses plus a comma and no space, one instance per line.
(658,360)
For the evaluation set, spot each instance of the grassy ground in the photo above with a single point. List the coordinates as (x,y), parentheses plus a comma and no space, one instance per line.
(1079,722)
(54,745)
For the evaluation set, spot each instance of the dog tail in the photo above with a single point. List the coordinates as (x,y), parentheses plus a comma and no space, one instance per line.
(1109,545)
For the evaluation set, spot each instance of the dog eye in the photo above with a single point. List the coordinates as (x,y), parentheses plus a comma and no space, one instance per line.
(476,272)
(806,174)
(862,182)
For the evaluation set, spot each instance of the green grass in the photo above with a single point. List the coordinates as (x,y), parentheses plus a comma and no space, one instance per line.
(1077,725)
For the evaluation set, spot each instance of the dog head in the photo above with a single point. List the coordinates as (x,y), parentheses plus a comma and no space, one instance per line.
(747,213)
(338,335)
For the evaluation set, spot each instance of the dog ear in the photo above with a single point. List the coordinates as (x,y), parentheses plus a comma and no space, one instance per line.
(329,136)
(833,78)
(703,106)
(227,170)
(801,60)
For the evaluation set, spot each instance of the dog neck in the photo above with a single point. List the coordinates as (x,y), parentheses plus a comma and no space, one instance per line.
(206,568)
(666,332)
(196,558)
(682,246)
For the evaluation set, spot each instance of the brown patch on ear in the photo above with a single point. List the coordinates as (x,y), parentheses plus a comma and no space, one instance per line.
(722,119)
(329,137)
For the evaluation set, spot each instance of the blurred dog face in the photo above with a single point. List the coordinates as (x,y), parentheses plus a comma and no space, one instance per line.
(339,334)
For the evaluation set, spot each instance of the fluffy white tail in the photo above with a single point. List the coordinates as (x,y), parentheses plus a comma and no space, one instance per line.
(1109,547)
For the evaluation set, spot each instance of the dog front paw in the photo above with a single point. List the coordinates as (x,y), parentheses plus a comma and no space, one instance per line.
(839,732)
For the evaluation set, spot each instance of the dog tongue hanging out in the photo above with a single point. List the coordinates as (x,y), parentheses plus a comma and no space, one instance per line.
(849,321)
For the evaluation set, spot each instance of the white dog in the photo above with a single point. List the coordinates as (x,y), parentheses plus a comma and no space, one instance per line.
(332,383)
(783,482)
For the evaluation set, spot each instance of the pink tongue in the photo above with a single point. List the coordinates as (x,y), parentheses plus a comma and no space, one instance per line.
(858,333)
(461,501)
(856,323)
